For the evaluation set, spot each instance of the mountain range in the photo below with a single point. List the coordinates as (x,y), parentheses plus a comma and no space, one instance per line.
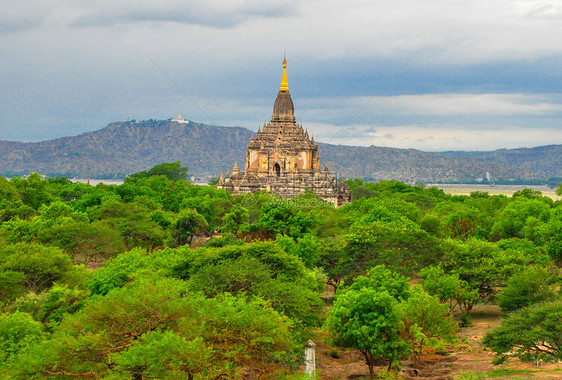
(125,147)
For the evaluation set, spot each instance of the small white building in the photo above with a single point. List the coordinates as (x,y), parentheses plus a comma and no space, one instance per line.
(179,119)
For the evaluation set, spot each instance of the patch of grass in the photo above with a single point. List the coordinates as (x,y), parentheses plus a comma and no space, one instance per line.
(334,354)
(387,375)
(470,376)
(465,319)
(438,346)
(495,373)
(504,372)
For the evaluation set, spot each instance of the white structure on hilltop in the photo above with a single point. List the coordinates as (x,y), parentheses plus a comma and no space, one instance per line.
(179,119)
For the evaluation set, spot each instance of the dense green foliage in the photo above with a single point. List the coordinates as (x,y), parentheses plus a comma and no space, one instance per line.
(534,332)
(160,278)
(531,285)
(172,171)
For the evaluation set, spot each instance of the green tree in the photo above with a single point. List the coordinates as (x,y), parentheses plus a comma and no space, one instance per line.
(230,276)
(33,190)
(171,170)
(65,190)
(431,224)
(466,221)
(448,288)
(213,181)
(552,235)
(84,241)
(283,219)
(58,211)
(534,332)
(279,262)
(12,284)
(50,307)
(189,224)
(399,244)
(137,263)
(18,331)
(332,253)
(368,320)
(530,194)
(385,209)
(489,205)
(21,230)
(235,332)
(93,197)
(483,265)
(132,220)
(164,355)
(425,317)
(296,299)
(235,219)
(512,220)
(531,285)
(307,248)
(40,266)
(381,278)
(11,205)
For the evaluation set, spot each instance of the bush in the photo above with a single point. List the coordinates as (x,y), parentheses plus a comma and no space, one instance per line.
(530,286)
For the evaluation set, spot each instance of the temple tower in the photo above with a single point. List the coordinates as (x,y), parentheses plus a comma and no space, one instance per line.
(283,158)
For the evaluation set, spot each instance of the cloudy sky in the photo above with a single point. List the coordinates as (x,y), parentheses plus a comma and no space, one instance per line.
(481,75)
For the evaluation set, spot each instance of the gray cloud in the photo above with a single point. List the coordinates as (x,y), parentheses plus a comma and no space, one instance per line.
(21,15)
(222,15)
(11,26)
(72,66)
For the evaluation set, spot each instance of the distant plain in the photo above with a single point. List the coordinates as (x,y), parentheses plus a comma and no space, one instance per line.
(508,190)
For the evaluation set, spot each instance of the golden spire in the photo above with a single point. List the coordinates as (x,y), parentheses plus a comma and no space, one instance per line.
(284,85)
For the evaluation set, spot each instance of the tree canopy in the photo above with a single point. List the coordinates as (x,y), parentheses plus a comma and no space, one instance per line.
(158,277)
(171,170)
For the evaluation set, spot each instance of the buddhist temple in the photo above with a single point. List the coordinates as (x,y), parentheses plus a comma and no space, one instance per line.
(283,158)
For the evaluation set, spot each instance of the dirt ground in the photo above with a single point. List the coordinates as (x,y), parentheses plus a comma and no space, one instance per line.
(467,356)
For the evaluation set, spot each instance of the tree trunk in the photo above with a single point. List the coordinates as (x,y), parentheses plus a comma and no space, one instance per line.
(389,364)
(369,362)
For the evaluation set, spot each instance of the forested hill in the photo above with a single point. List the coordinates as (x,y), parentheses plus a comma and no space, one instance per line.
(546,161)
(413,166)
(122,148)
